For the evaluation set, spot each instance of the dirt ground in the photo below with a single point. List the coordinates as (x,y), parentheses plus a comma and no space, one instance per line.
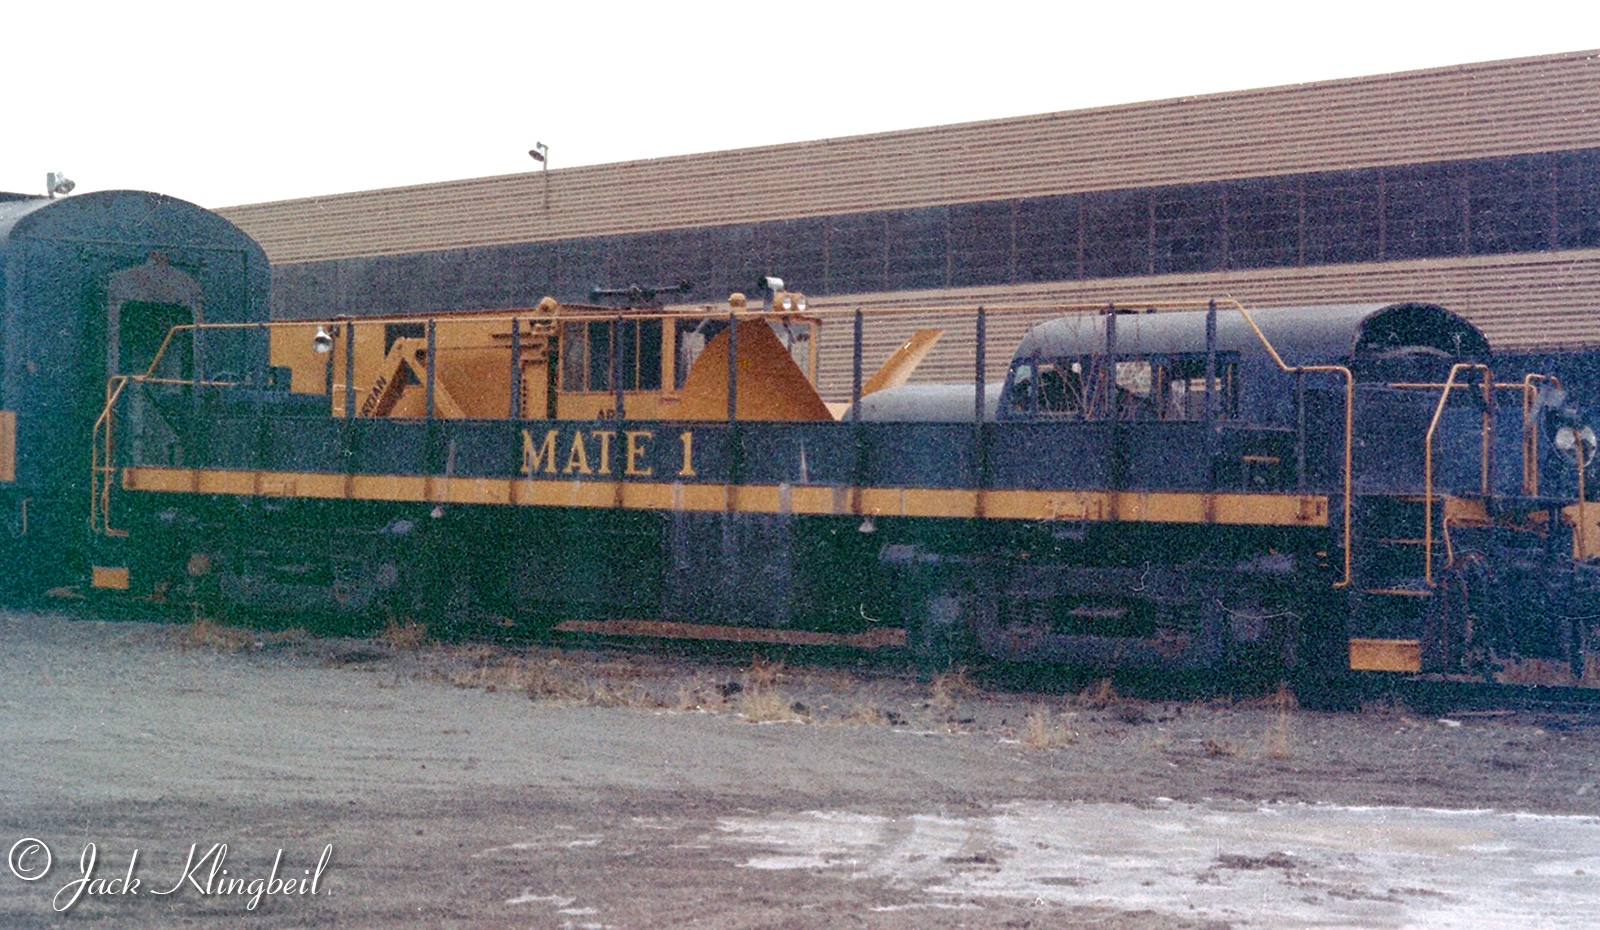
(478,786)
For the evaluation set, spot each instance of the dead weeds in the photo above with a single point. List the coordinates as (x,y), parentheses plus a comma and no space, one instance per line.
(760,698)
(203,633)
(948,690)
(1277,739)
(1098,696)
(769,706)
(867,715)
(403,634)
(1046,729)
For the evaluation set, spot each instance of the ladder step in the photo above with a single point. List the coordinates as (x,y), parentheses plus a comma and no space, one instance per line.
(1399,592)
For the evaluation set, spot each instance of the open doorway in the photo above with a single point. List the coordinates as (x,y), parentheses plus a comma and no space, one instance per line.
(142,330)
(143,304)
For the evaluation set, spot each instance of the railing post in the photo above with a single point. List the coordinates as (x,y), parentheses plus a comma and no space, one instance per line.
(980,429)
(616,364)
(979,375)
(1488,432)
(349,369)
(1211,396)
(431,369)
(1211,362)
(1300,431)
(515,412)
(1427,470)
(327,377)
(1581,547)
(265,374)
(735,441)
(1108,370)
(855,370)
(733,368)
(858,472)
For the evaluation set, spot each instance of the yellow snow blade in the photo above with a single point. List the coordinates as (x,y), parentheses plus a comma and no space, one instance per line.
(900,366)
(770,386)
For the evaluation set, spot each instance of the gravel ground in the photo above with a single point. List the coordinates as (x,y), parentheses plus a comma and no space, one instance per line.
(476,786)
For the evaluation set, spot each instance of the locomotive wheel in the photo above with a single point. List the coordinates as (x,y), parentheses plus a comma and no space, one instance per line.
(940,634)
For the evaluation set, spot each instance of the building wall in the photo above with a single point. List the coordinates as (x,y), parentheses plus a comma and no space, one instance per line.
(1476,186)
(1544,104)
(1491,206)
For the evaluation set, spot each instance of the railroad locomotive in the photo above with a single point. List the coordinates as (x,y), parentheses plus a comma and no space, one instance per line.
(1301,491)
(89,287)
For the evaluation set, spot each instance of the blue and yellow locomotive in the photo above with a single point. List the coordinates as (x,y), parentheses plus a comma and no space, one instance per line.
(1285,490)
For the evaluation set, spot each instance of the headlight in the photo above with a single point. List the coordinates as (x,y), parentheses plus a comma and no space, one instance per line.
(1567,439)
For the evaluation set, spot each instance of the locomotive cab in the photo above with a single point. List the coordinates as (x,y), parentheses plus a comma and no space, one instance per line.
(91,288)
(560,362)
(1444,482)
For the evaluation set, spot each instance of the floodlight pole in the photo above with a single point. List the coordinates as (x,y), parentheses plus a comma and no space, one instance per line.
(541,154)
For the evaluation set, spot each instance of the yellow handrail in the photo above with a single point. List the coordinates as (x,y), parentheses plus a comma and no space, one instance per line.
(1530,433)
(100,468)
(1427,461)
(102,472)
(1349,421)
(1530,444)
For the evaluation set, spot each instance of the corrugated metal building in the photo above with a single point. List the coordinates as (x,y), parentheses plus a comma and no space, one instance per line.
(1475,186)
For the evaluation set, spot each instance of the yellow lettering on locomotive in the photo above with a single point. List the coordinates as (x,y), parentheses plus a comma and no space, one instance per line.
(541,459)
(687,438)
(605,436)
(374,395)
(1080,506)
(636,451)
(577,457)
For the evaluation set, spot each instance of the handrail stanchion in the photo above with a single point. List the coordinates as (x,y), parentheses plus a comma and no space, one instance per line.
(1349,423)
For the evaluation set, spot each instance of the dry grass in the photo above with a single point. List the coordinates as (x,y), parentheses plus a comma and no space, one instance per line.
(203,633)
(1044,729)
(1281,700)
(548,679)
(403,635)
(207,634)
(767,706)
(1102,695)
(760,699)
(1099,696)
(603,693)
(703,694)
(1276,741)
(1388,706)
(867,715)
(948,690)
(763,674)
(493,675)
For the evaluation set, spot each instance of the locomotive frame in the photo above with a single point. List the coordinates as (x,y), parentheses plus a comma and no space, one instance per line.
(1282,491)
(1174,499)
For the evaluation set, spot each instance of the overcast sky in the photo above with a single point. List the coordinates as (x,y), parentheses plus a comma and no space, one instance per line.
(230,104)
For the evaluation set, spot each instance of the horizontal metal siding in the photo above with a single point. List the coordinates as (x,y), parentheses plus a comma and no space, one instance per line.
(1520,302)
(1500,108)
